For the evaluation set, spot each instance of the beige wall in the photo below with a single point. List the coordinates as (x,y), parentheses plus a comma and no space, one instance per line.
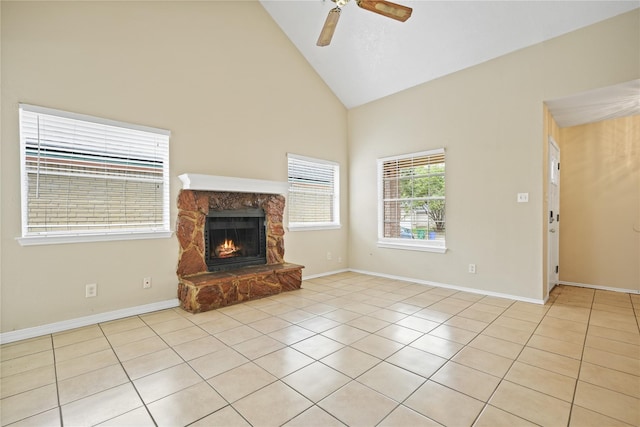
(600,204)
(221,76)
(489,118)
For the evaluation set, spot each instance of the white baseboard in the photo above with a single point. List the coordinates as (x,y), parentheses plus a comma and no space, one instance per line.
(65,325)
(455,287)
(329,273)
(603,288)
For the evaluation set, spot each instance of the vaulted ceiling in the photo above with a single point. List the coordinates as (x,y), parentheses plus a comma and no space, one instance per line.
(372,56)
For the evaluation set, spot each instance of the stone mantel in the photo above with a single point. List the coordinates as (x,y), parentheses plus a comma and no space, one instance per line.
(193,181)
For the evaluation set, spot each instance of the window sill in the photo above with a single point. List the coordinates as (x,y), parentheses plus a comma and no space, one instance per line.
(84,238)
(412,246)
(315,227)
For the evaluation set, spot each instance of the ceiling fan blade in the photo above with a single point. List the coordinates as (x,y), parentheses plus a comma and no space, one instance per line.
(329,27)
(386,8)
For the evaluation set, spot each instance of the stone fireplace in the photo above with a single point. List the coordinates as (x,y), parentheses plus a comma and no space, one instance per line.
(231,242)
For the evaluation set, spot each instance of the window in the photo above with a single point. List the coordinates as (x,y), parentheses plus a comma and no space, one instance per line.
(86,178)
(314,197)
(412,201)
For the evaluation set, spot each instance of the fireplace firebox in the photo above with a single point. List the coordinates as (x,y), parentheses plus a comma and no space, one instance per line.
(235,238)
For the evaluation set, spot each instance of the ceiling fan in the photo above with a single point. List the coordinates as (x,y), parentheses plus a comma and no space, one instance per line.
(382,7)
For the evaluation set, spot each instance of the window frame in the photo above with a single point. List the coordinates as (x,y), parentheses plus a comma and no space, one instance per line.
(310,226)
(425,245)
(29,238)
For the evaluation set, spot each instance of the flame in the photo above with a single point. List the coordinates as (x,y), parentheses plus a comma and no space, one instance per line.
(227,249)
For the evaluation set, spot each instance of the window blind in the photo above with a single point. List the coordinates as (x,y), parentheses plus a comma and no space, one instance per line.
(313,191)
(412,192)
(412,177)
(411,166)
(83,174)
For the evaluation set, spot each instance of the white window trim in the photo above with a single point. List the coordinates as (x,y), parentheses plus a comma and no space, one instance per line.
(397,243)
(316,226)
(34,238)
(84,238)
(393,244)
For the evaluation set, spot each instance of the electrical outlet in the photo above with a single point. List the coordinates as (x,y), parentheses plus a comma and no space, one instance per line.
(523,197)
(146,283)
(339,259)
(329,256)
(472,268)
(91,290)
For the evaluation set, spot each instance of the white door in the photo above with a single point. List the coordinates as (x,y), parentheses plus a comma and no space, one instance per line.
(553,215)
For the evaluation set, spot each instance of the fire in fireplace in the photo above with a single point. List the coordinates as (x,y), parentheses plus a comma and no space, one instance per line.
(235,238)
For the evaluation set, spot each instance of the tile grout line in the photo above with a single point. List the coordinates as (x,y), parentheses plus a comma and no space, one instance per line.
(230,404)
(127,374)
(524,346)
(426,379)
(636,312)
(187,363)
(450,359)
(584,345)
(513,362)
(280,379)
(504,309)
(341,323)
(351,380)
(55,376)
(582,359)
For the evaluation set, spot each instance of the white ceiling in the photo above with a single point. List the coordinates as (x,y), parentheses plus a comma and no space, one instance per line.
(605,103)
(372,56)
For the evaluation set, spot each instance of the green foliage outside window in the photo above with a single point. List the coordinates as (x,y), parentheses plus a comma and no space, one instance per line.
(422,189)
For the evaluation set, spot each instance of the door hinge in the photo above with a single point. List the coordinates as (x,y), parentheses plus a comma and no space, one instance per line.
(558,217)
(558,165)
(556,269)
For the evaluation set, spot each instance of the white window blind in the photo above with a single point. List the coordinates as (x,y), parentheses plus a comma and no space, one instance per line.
(412,199)
(313,199)
(86,175)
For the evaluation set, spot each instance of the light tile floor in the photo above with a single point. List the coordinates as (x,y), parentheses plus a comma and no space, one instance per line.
(347,349)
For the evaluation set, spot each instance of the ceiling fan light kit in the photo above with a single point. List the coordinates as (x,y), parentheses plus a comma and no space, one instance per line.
(381,7)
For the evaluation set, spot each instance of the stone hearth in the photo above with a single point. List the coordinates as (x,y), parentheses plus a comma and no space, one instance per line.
(201,290)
